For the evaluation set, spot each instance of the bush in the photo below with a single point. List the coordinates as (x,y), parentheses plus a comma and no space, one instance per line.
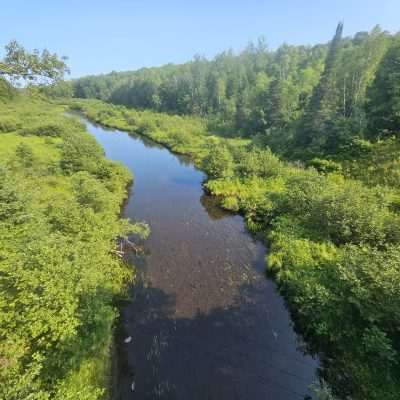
(256,162)
(90,192)
(59,276)
(334,242)
(219,162)
(80,152)
(325,166)
(50,129)
(24,155)
(8,124)
(341,211)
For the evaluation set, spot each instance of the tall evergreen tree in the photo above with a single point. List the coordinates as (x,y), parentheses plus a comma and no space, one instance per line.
(323,102)
(383,107)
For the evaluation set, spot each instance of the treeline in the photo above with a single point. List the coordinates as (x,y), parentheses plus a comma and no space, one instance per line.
(333,228)
(301,101)
(59,274)
(233,89)
(334,244)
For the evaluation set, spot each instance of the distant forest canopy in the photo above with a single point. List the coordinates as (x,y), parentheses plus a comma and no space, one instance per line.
(299,100)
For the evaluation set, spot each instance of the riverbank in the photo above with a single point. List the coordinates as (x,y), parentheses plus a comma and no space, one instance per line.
(204,321)
(334,244)
(60,202)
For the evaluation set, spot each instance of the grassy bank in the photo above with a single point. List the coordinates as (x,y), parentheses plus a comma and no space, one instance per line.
(60,204)
(334,241)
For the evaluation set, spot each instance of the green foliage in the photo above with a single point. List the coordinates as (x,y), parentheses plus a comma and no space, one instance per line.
(325,166)
(384,96)
(303,102)
(6,90)
(219,162)
(8,124)
(59,89)
(24,155)
(185,135)
(255,162)
(246,93)
(333,229)
(59,276)
(334,242)
(52,129)
(80,153)
(34,66)
(335,114)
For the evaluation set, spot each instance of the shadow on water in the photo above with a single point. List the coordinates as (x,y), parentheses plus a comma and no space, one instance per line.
(221,354)
(205,321)
(210,205)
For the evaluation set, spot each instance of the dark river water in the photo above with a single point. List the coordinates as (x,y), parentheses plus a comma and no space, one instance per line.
(205,321)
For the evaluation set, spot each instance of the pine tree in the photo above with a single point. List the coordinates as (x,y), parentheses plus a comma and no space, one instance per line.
(383,107)
(323,102)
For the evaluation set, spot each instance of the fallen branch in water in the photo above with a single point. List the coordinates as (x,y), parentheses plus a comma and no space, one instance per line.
(125,242)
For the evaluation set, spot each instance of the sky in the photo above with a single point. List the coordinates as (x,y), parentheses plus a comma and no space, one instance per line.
(101,36)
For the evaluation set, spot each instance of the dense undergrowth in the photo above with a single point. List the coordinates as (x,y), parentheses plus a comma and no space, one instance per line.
(60,204)
(330,213)
(334,238)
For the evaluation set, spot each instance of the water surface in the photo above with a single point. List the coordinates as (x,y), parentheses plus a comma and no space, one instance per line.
(205,321)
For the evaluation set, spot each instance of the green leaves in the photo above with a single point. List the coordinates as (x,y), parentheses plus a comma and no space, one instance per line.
(384,96)
(32,67)
(80,152)
(24,155)
(333,242)
(59,223)
(219,162)
(11,200)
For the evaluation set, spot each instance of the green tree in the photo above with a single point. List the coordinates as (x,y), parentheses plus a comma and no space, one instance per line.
(42,67)
(323,103)
(383,107)
(59,89)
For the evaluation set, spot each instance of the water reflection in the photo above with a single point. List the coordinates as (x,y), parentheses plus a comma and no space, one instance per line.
(214,211)
(205,322)
(197,353)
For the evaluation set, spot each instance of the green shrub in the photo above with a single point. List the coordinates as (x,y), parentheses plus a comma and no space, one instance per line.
(8,124)
(90,192)
(59,276)
(219,162)
(325,166)
(51,129)
(333,240)
(341,211)
(24,155)
(80,152)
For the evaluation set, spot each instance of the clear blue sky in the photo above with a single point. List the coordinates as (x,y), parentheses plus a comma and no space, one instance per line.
(104,35)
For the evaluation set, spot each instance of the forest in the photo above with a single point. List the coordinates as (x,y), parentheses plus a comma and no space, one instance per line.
(300,101)
(303,141)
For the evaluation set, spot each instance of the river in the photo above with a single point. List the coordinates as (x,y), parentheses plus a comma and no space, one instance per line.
(205,321)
